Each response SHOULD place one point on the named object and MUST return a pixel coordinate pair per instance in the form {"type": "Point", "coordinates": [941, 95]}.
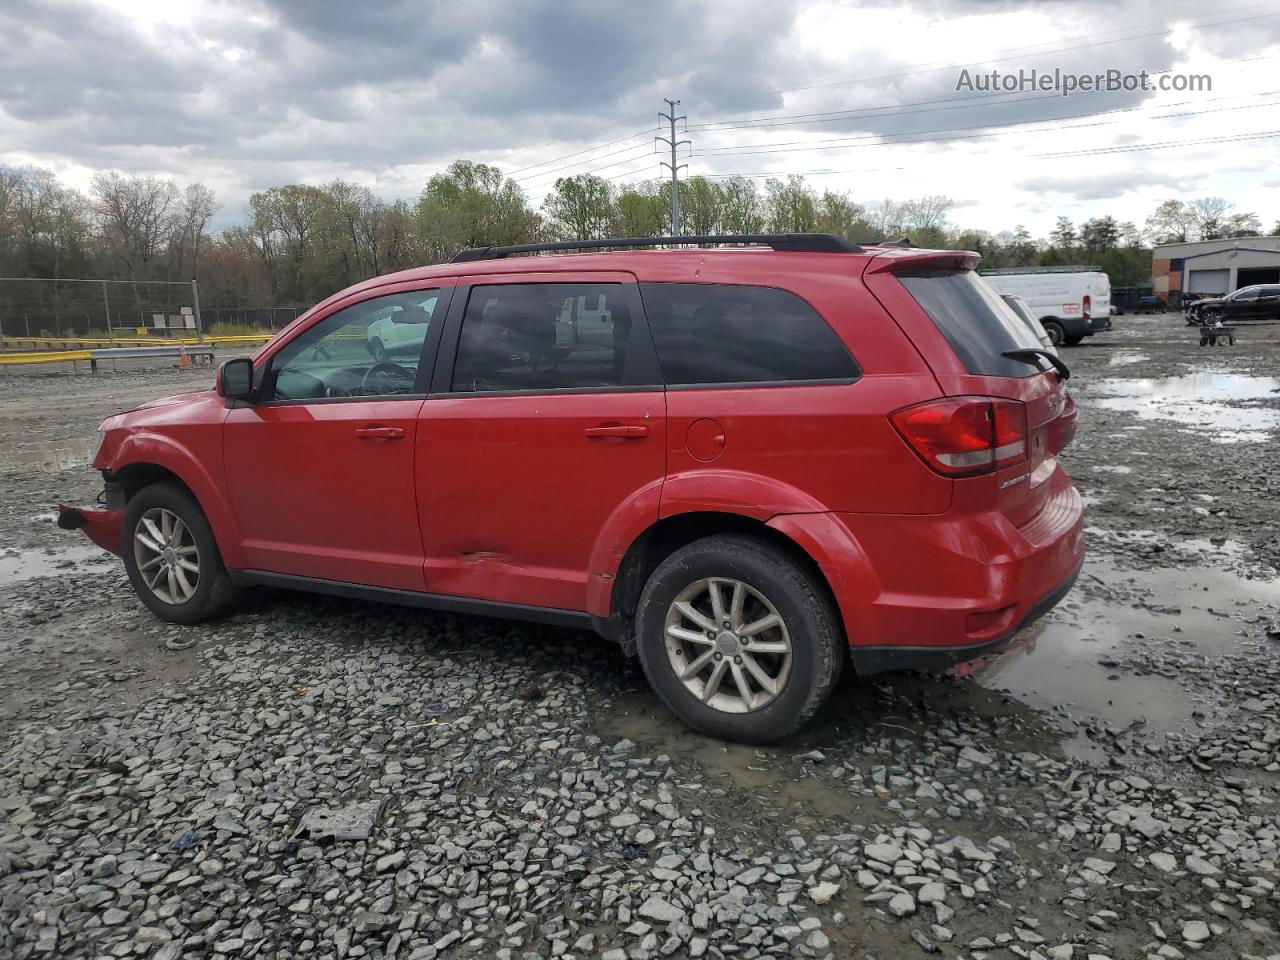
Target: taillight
{"type": "Point", "coordinates": [965, 436]}
{"type": "Point", "coordinates": [1086, 306]}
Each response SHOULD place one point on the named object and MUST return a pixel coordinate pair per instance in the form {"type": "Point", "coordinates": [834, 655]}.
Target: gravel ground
{"type": "Point", "coordinates": [1106, 789]}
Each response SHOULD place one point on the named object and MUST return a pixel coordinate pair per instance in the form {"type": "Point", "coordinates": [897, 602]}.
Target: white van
{"type": "Point", "coordinates": [1070, 302]}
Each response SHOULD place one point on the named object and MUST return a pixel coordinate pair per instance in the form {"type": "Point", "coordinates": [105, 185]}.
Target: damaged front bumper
{"type": "Point", "coordinates": [103, 527]}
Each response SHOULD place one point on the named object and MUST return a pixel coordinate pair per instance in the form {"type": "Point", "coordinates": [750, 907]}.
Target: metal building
{"type": "Point", "coordinates": [1213, 267]}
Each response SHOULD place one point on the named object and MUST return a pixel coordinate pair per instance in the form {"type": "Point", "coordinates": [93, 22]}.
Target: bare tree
{"type": "Point", "coordinates": [198, 207]}
{"type": "Point", "coordinates": [136, 215]}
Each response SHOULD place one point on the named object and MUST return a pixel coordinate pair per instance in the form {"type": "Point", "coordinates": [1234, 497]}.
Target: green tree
{"type": "Point", "coordinates": [743, 210]}
{"type": "Point", "coordinates": [642, 212]}
{"type": "Point", "coordinates": [839, 215]}
{"type": "Point", "coordinates": [701, 209]}
{"type": "Point", "coordinates": [471, 205]}
{"type": "Point", "coordinates": [790, 205]}
{"type": "Point", "coordinates": [1099, 234]}
{"type": "Point", "coordinates": [580, 208]}
{"type": "Point", "coordinates": [1063, 236]}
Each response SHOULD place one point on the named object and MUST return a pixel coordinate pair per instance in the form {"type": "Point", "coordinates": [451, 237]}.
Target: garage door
{"type": "Point", "coordinates": [1208, 281]}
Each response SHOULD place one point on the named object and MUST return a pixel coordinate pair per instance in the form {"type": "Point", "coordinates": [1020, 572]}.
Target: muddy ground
{"type": "Point", "coordinates": [1106, 788]}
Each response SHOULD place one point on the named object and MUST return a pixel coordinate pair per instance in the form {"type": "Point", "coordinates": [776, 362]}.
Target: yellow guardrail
{"type": "Point", "coordinates": [139, 341]}
{"type": "Point", "coordinates": [144, 341]}
{"type": "Point", "coordinates": [43, 356]}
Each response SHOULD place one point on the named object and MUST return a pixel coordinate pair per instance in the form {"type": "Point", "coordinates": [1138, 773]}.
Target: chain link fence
{"type": "Point", "coordinates": [115, 309]}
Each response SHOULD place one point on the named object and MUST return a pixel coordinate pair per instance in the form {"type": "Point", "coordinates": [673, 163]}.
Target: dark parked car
{"type": "Point", "coordinates": [1259, 302]}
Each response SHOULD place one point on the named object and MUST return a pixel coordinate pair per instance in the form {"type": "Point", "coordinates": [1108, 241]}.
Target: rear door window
{"type": "Point", "coordinates": [538, 337]}
{"type": "Point", "coordinates": [979, 325]}
{"type": "Point", "coordinates": [730, 334]}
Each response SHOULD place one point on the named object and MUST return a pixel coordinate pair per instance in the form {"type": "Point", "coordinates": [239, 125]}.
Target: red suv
{"type": "Point", "coordinates": [738, 463]}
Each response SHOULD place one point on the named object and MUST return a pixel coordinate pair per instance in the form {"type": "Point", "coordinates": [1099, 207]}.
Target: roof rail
{"type": "Point", "coordinates": [782, 242]}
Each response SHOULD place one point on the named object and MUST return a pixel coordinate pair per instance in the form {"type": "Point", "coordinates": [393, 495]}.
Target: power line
{"type": "Point", "coordinates": [843, 143]}
{"type": "Point", "coordinates": [647, 147]}
{"type": "Point", "coordinates": [1133, 148]}
{"type": "Point", "coordinates": [951, 103]}
{"type": "Point", "coordinates": [551, 143]}
{"type": "Point", "coordinates": [578, 153]}
{"type": "Point", "coordinates": [1034, 52]}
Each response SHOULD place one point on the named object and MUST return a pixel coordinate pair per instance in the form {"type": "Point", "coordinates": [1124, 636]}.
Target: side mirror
{"type": "Point", "coordinates": [235, 379]}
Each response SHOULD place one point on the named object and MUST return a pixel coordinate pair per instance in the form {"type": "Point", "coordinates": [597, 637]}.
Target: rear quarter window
{"type": "Point", "coordinates": [735, 334]}
{"type": "Point", "coordinates": [979, 325]}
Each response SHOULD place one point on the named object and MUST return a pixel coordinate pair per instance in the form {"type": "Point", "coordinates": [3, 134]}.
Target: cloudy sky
{"type": "Point", "coordinates": [859, 96]}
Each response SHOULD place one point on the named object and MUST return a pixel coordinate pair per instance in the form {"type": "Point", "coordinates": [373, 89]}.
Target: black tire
{"type": "Point", "coordinates": [816, 635]}
{"type": "Point", "coordinates": [1072, 341]}
{"type": "Point", "coordinates": [1054, 331]}
{"type": "Point", "coordinates": [378, 350]}
{"type": "Point", "coordinates": [214, 592]}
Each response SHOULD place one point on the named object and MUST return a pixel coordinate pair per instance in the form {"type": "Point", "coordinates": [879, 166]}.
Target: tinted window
{"type": "Point", "coordinates": [544, 336]}
{"type": "Point", "coordinates": [1270, 292]}
{"type": "Point", "coordinates": [371, 348]}
{"type": "Point", "coordinates": [1248, 293]}
{"type": "Point", "coordinates": [709, 333]}
{"type": "Point", "coordinates": [976, 322]}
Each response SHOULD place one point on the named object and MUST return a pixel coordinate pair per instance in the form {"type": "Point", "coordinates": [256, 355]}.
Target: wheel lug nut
{"type": "Point", "coordinates": [727, 624]}
{"type": "Point", "coordinates": [711, 634]}
{"type": "Point", "coordinates": [719, 656]}
{"type": "Point", "coordinates": [737, 659]}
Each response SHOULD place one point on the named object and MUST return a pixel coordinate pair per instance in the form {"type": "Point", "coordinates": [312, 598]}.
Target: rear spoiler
{"type": "Point", "coordinates": [915, 259]}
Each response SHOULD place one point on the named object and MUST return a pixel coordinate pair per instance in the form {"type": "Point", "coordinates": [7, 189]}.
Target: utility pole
{"type": "Point", "coordinates": [675, 168]}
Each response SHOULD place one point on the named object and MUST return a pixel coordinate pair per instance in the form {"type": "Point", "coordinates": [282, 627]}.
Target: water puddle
{"type": "Point", "coordinates": [1124, 359]}
{"type": "Point", "coordinates": [1066, 663]}
{"type": "Point", "coordinates": [50, 456]}
{"type": "Point", "coordinates": [19, 565]}
{"type": "Point", "coordinates": [1227, 407]}
{"type": "Point", "coordinates": [1059, 679]}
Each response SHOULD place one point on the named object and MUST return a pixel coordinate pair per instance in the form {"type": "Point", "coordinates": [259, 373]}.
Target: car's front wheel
{"type": "Point", "coordinates": [738, 639]}
{"type": "Point", "coordinates": [172, 558]}
{"type": "Point", "coordinates": [1054, 332]}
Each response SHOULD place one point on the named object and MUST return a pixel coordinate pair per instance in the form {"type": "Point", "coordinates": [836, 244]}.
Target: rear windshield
{"type": "Point", "coordinates": [979, 325]}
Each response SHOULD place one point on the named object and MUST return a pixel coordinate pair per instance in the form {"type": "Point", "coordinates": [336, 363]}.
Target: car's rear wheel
{"type": "Point", "coordinates": [171, 557]}
{"type": "Point", "coordinates": [378, 350]}
{"type": "Point", "coordinates": [738, 639]}
{"type": "Point", "coordinates": [1054, 332]}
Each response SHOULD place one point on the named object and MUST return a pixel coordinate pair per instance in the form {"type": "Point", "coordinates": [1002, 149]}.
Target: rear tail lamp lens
{"type": "Point", "coordinates": [1087, 306]}
{"type": "Point", "coordinates": [965, 436]}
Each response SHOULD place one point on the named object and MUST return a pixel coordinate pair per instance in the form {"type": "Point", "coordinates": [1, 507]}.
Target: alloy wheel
{"type": "Point", "coordinates": [167, 556]}
{"type": "Point", "coordinates": [728, 645]}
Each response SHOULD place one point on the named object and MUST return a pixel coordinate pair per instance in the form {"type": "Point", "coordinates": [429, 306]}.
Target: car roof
{"type": "Point", "coordinates": [737, 264]}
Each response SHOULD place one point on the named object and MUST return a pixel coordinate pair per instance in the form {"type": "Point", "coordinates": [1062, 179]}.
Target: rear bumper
{"type": "Point", "coordinates": [103, 527]}
{"type": "Point", "coordinates": [868, 660]}
{"type": "Point", "coordinates": [924, 592]}
{"type": "Point", "coordinates": [1098, 324]}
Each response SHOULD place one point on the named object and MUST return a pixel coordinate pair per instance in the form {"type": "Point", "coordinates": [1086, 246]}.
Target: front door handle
{"type": "Point", "coordinates": [634, 431]}
{"type": "Point", "coordinates": [380, 433]}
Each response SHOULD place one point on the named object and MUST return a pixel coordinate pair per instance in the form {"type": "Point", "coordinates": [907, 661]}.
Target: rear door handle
{"type": "Point", "coordinates": [625, 431]}
{"type": "Point", "coordinates": [380, 433]}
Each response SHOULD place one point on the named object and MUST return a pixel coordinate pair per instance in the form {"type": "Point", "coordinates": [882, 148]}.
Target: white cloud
{"type": "Point", "coordinates": [244, 94]}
